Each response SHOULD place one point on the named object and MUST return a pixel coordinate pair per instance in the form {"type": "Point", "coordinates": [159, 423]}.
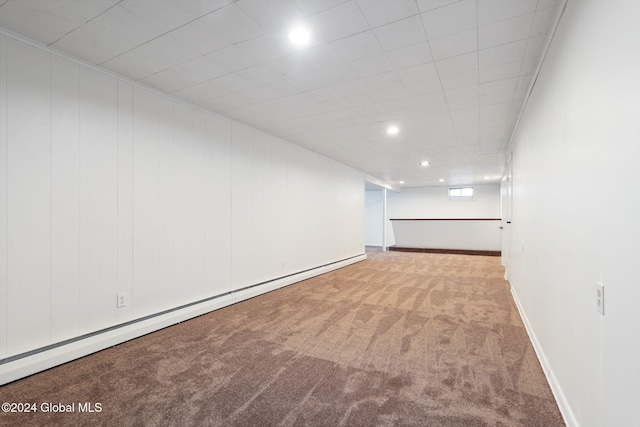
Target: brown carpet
{"type": "Point", "coordinates": [401, 339]}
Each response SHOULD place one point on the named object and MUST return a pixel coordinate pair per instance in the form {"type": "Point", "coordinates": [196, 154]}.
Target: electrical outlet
{"type": "Point", "coordinates": [600, 298]}
{"type": "Point", "coordinates": [122, 299]}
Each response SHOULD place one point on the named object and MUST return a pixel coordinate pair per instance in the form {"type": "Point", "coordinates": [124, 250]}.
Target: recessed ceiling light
{"type": "Point", "coordinates": [392, 130]}
{"type": "Point", "coordinates": [401, 182]}
{"type": "Point", "coordinates": [299, 36]}
{"type": "Point", "coordinates": [441, 180]}
{"type": "Point", "coordinates": [425, 163]}
{"type": "Point", "coordinates": [487, 177]}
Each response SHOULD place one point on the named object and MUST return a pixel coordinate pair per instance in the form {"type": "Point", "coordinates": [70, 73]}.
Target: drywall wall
{"type": "Point", "coordinates": [373, 217]}
{"type": "Point", "coordinates": [107, 187]}
{"type": "Point", "coordinates": [433, 202]}
{"type": "Point", "coordinates": [575, 213]}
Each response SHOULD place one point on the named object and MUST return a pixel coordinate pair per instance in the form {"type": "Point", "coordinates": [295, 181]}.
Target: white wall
{"type": "Point", "coordinates": [373, 217]}
{"type": "Point", "coordinates": [575, 212]}
{"type": "Point", "coordinates": [433, 202]}
{"type": "Point", "coordinates": [107, 187]}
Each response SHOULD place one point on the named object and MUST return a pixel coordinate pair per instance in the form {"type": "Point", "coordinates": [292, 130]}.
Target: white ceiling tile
{"type": "Point", "coordinates": [543, 4]}
{"type": "Point", "coordinates": [426, 5]}
{"type": "Point", "coordinates": [289, 66]}
{"type": "Point", "coordinates": [338, 22]}
{"type": "Point", "coordinates": [453, 81]}
{"type": "Point", "coordinates": [170, 48]}
{"type": "Point", "coordinates": [430, 98]}
{"type": "Point", "coordinates": [337, 73]}
{"type": "Point", "coordinates": [319, 57]}
{"type": "Point", "coordinates": [402, 33]}
{"type": "Point", "coordinates": [33, 18]}
{"type": "Point", "coordinates": [542, 21]}
{"type": "Point", "coordinates": [529, 66]}
{"type": "Point", "coordinates": [457, 64]}
{"type": "Point", "coordinates": [382, 12]}
{"type": "Point", "coordinates": [203, 92]}
{"type": "Point", "coordinates": [259, 75]}
{"type": "Point", "coordinates": [128, 25]}
{"type": "Point", "coordinates": [358, 46]}
{"type": "Point", "coordinates": [500, 72]}
{"type": "Point", "coordinates": [502, 54]}
{"type": "Point", "coordinates": [233, 24]}
{"type": "Point", "coordinates": [198, 8]}
{"type": "Point", "coordinates": [185, 75]}
{"type": "Point", "coordinates": [410, 55]}
{"type": "Point", "coordinates": [418, 73]}
{"type": "Point", "coordinates": [535, 46]}
{"type": "Point", "coordinates": [311, 7]}
{"type": "Point", "coordinates": [451, 19]}
{"type": "Point", "coordinates": [275, 16]}
{"type": "Point", "coordinates": [199, 36]}
{"type": "Point", "coordinates": [371, 65]}
{"type": "Point", "coordinates": [231, 59]}
{"type": "Point", "coordinates": [267, 47]}
{"type": "Point", "coordinates": [391, 93]}
{"type": "Point", "coordinates": [383, 81]}
{"type": "Point", "coordinates": [306, 82]}
{"type": "Point", "coordinates": [455, 44]}
{"type": "Point", "coordinates": [365, 98]}
{"type": "Point", "coordinates": [93, 44]}
{"type": "Point", "coordinates": [423, 86]}
{"type": "Point", "coordinates": [504, 32]}
{"type": "Point", "coordinates": [164, 14]}
{"type": "Point", "coordinates": [499, 10]}
{"type": "Point", "coordinates": [137, 63]}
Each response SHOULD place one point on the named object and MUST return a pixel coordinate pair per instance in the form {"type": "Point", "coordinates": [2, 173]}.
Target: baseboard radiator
{"type": "Point", "coordinates": [22, 365]}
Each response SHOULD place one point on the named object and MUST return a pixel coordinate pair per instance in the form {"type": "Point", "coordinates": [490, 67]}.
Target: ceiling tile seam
{"type": "Point", "coordinates": [265, 31]}
{"type": "Point", "coordinates": [440, 82]}
{"type": "Point", "coordinates": [85, 23]}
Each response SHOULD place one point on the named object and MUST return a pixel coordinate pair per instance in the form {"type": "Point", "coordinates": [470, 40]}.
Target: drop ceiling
{"type": "Point", "coordinates": [451, 75]}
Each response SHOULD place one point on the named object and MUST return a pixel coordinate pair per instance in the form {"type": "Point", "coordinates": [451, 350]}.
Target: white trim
{"type": "Point", "coordinates": [563, 404]}
{"type": "Point", "coordinates": [35, 363]}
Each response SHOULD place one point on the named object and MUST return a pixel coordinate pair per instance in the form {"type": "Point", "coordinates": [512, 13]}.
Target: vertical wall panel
{"type": "Point", "coordinates": [165, 205]}
{"type": "Point", "coordinates": [65, 198]}
{"type": "Point", "coordinates": [146, 133]}
{"type": "Point", "coordinates": [98, 200]}
{"type": "Point", "coordinates": [28, 197]}
{"type": "Point", "coordinates": [125, 198]}
{"type": "Point", "coordinates": [218, 206]}
{"type": "Point", "coordinates": [3, 195]}
{"type": "Point", "coordinates": [198, 228]}
{"type": "Point", "coordinates": [183, 251]}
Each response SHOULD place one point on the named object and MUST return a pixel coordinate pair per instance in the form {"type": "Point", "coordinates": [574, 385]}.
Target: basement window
{"type": "Point", "coordinates": [460, 193]}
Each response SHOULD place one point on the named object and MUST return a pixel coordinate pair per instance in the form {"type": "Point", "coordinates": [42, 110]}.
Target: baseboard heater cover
{"type": "Point", "coordinates": [22, 365]}
{"type": "Point", "coordinates": [446, 251]}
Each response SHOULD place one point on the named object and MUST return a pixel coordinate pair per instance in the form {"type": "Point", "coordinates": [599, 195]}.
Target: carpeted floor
{"type": "Point", "coordinates": [401, 339]}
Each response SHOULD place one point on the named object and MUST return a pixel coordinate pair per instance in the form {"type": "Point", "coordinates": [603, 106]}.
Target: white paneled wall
{"type": "Point", "coordinates": [107, 187]}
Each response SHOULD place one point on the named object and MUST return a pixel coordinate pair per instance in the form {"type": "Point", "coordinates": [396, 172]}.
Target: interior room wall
{"type": "Point", "coordinates": [576, 210]}
{"type": "Point", "coordinates": [108, 187]}
{"type": "Point", "coordinates": [433, 202]}
{"type": "Point", "coordinates": [373, 217]}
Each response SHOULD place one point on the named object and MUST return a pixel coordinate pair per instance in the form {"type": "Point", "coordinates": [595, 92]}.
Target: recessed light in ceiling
{"type": "Point", "coordinates": [299, 36]}
{"type": "Point", "coordinates": [441, 180]}
{"type": "Point", "coordinates": [425, 163]}
{"type": "Point", "coordinates": [401, 182]}
{"type": "Point", "coordinates": [487, 177]}
{"type": "Point", "coordinates": [392, 130]}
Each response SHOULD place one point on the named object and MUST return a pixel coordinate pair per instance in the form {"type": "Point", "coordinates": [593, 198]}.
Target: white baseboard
{"type": "Point", "coordinates": [40, 361]}
{"type": "Point", "coordinates": [563, 404]}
